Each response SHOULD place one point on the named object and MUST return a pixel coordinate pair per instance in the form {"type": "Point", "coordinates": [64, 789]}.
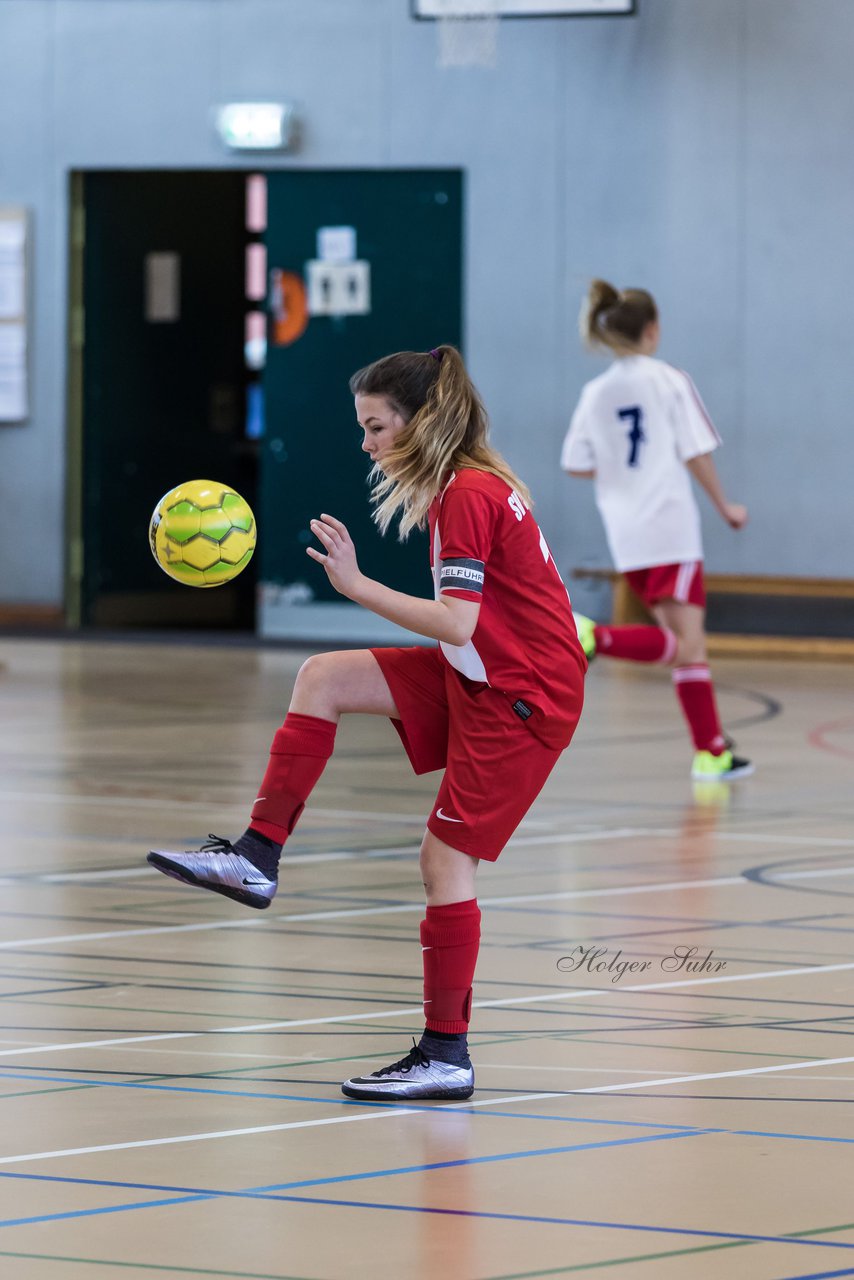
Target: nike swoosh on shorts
{"type": "Point", "coordinates": [445, 817]}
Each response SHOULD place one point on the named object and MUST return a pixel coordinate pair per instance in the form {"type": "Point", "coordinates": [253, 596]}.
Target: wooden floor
{"type": "Point", "coordinates": [171, 1062]}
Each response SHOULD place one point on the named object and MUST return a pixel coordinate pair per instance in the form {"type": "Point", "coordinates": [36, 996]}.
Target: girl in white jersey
{"type": "Point", "coordinates": [493, 702]}
{"type": "Point", "coordinates": [638, 431]}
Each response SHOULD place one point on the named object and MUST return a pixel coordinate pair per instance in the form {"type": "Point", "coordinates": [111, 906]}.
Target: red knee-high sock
{"type": "Point", "coordinates": [637, 644]}
{"type": "Point", "coordinates": [696, 693]}
{"type": "Point", "coordinates": [450, 938]}
{"type": "Point", "coordinates": [297, 759]}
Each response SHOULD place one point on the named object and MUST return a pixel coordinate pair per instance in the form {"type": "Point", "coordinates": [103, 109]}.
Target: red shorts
{"type": "Point", "coordinates": [682, 582]}
{"type": "Point", "coordinates": [494, 766]}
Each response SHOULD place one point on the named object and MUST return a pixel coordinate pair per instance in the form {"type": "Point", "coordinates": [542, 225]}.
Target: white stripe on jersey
{"type": "Point", "coordinates": [465, 658]}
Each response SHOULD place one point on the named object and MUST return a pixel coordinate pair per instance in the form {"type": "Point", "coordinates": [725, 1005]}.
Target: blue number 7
{"type": "Point", "coordinates": [636, 432]}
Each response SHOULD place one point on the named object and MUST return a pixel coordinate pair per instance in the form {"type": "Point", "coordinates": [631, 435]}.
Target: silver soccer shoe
{"type": "Point", "coordinates": [216, 866]}
{"type": "Point", "coordinates": [415, 1076]}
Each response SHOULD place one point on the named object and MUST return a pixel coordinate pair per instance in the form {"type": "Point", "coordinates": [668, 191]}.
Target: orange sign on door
{"type": "Point", "coordinates": [289, 305]}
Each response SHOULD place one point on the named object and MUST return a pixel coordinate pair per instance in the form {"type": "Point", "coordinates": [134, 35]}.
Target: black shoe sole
{"type": "Point", "coordinates": [376, 1095]}
{"type": "Point", "coordinates": [177, 872]}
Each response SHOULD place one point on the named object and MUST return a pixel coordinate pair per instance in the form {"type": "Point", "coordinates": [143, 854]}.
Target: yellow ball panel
{"type": "Point", "coordinates": [203, 493]}
{"type": "Point", "coordinates": [201, 553]}
{"type": "Point", "coordinates": [222, 572]}
{"type": "Point", "coordinates": [185, 573]}
{"type": "Point", "coordinates": [233, 548]}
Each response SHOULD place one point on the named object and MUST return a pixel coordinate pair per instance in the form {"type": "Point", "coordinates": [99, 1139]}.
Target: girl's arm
{"type": "Point", "coordinates": [705, 472]}
{"type": "Point", "coordinates": [448, 619]}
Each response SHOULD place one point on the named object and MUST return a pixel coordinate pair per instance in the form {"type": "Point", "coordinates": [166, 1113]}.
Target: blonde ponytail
{"type": "Point", "coordinates": [446, 429]}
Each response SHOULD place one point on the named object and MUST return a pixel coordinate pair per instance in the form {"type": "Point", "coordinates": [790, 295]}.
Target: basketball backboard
{"type": "Point", "coordinates": [437, 9]}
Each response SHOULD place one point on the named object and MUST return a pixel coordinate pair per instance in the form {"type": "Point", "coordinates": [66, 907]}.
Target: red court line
{"type": "Point", "coordinates": [818, 736]}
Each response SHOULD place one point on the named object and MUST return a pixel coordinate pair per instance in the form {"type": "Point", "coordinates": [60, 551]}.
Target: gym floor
{"type": "Point", "coordinates": [663, 1006]}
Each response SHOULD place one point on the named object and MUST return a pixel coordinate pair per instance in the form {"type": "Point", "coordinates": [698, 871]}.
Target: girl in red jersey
{"type": "Point", "coordinates": [493, 703]}
{"type": "Point", "coordinates": [639, 429]}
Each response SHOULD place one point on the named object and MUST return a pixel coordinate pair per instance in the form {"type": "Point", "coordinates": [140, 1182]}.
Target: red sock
{"type": "Point", "coordinates": [696, 693]}
{"type": "Point", "coordinates": [638, 644]}
{"type": "Point", "coordinates": [450, 938]}
{"type": "Point", "coordinates": [297, 759]}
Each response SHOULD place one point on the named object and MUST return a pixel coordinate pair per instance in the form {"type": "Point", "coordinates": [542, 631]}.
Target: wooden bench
{"type": "Point", "coordinates": [743, 594]}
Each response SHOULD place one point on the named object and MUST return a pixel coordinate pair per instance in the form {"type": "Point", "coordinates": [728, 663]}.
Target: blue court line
{"type": "Point", "coordinates": [200, 1195]}
{"type": "Point", "coordinates": [588, 1222]}
{"type": "Point", "coordinates": [823, 1275]}
{"type": "Point", "coordinates": [311, 1098]}
{"type": "Point", "coordinates": [94, 1213]}
{"type": "Point", "coordinates": [188, 1194]}
{"type": "Point", "coordinates": [745, 1237]}
{"type": "Point", "coordinates": [504, 1115]}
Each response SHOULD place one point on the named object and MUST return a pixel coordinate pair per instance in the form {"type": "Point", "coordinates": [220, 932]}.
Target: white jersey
{"type": "Point", "coordinates": [636, 425]}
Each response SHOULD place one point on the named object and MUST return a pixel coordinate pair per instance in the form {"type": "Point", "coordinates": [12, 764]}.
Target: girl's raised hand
{"type": "Point", "coordinates": [340, 563]}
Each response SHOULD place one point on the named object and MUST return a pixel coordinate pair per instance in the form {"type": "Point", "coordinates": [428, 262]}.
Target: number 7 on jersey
{"type": "Point", "coordinates": [635, 433]}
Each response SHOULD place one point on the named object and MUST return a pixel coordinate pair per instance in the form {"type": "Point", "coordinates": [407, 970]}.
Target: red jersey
{"type": "Point", "coordinates": [487, 547]}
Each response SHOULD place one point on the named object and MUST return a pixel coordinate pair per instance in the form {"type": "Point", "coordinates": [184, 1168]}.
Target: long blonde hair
{"type": "Point", "coordinates": [613, 318]}
{"type": "Point", "coordinates": [446, 429]}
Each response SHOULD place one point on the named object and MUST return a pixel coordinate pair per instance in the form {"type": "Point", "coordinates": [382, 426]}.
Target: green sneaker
{"type": "Point", "coordinates": [585, 626]}
{"type": "Point", "coordinates": [723, 768]}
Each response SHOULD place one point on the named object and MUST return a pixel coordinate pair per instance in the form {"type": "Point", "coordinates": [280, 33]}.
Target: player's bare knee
{"type": "Point", "coordinates": [315, 688]}
{"type": "Point", "coordinates": [312, 674]}
{"type": "Point", "coordinates": [428, 877]}
{"type": "Point", "coordinates": [433, 874]}
{"type": "Point", "coordinates": [689, 650]}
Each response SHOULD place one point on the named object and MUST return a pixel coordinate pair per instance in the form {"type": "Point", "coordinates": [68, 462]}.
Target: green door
{"type": "Point", "coordinates": [406, 226]}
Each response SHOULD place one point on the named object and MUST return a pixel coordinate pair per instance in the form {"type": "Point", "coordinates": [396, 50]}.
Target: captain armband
{"type": "Point", "coordinates": [465, 575]}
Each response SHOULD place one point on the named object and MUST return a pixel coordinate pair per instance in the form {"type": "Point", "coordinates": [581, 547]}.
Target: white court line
{"type": "Point", "coordinates": [397, 908]}
{"type": "Point", "coordinates": [809, 875]}
{"type": "Point", "coordinates": [130, 873]}
{"type": "Point", "coordinates": [143, 871]}
{"type": "Point", "coordinates": [149, 802]}
{"type": "Point", "coordinates": [340, 914]}
{"type": "Point", "coordinates": [395, 1112]}
{"type": "Point", "coordinates": [574, 837]}
{"type": "Point", "coordinates": [344, 855]}
{"type": "Point", "coordinates": [547, 998]}
{"type": "Point", "coordinates": [831, 842]}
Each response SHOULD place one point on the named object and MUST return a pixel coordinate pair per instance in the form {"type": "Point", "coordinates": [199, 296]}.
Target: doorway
{"type": "Point", "coordinates": [166, 386]}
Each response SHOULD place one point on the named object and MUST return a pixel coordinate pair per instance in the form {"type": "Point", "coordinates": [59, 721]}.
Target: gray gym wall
{"type": "Point", "coordinates": [701, 149]}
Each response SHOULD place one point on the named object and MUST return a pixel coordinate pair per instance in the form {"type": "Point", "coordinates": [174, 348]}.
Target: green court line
{"type": "Point", "coordinates": [476, 1043]}
{"type": "Point", "coordinates": [135, 1008]}
{"type": "Point", "coordinates": [364, 997]}
{"type": "Point", "coordinates": [566, 1036]}
{"type": "Point", "coordinates": [231, 1071]}
{"type": "Point", "coordinates": [154, 1266]}
{"type": "Point", "coordinates": [674, 1253]}
{"type": "Point", "coordinates": [38, 1093]}
{"type": "Point", "coordinates": [616, 1262]}
{"type": "Point", "coordinates": [234, 984]}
